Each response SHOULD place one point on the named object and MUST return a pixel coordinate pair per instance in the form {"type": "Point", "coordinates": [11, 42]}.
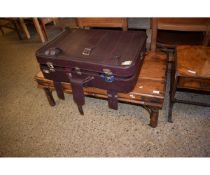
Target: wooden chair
{"type": "Point", "coordinates": [103, 22]}
{"type": "Point", "coordinates": [179, 24]}
{"type": "Point", "coordinates": [191, 66]}
{"type": "Point", "coordinates": [45, 21]}
{"type": "Point", "coordinates": [11, 23]}
{"type": "Point", "coordinates": [191, 71]}
{"type": "Point", "coordinates": [39, 24]}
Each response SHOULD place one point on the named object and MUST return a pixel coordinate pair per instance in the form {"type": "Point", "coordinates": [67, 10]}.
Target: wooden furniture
{"type": "Point", "coordinates": [148, 92]}
{"type": "Point", "coordinates": [191, 71]}
{"type": "Point", "coordinates": [45, 21]}
{"type": "Point", "coordinates": [10, 23]}
{"type": "Point", "coordinates": [39, 29]}
{"type": "Point", "coordinates": [103, 22]}
{"type": "Point", "coordinates": [39, 25]}
{"type": "Point", "coordinates": [180, 24]}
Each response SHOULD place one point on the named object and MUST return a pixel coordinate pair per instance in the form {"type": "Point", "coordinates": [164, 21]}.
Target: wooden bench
{"type": "Point", "coordinates": [148, 92]}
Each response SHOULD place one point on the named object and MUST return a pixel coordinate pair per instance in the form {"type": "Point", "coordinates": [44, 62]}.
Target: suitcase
{"type": "Point", "coordinates": [105, 59]}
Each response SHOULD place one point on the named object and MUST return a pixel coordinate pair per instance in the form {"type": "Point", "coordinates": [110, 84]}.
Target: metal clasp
{"type": "Point", "coordinates": [107, 76]}
{"type": "Point", "coordinates": [50, 65]}
{"type": "Point", "coordinates": [86, 51]}
{"type": "Point", "coordinates": [107, 71]}
{"type": "Point", "coordinates": [78, 71]}
{"type": "Point", "coordinates": [46, 71]}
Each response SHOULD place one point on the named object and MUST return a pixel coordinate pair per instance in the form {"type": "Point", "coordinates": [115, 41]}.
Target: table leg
{"type": "Point", "coordinates": [49, 95]}
{"type": "Point", "coordinates": [38, 29]}
{"type": "Point", "coordinates": [154, 117]}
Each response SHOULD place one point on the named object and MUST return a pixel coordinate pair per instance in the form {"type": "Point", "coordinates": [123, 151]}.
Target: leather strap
{"type": "Point", "coordinates": [77, 90]}
{"type": "Point", "coordinates": [59, 89]}
{"type": "Point", "coordinates": [112, 99]}
{"type": "Point", "coordinates": [78, 94]}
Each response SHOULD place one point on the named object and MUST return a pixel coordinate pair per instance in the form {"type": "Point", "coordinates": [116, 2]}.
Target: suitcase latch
{"type": "Point", "coordinates": [78, 71]}
{"type": "Point", "coordinates": [107, 71]}
{"type": "Point", "coordinates": [107, 76]}
{"type": "Point", "coordinates": [86, 51]}
{"type": "Point", "coordinates": [50, 65]}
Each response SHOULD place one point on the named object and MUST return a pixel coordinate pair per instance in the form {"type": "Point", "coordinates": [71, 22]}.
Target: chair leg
{"type": "Point", "coordinates": [172, 92]}
{"type": "Point", "coordinates": [44, 30]}
{"type": "Point", "coordinates": [15, 24]}
{"type": "Point", "coordinates": [171, 103]}
{"type": "Point", "coordinates": [38, 29]}
{"type": "Point", "coordinates": [24, 27]}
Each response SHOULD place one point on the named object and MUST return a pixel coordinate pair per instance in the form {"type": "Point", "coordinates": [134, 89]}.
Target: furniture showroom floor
{"type": "Point", "coordinates": [30, 127]}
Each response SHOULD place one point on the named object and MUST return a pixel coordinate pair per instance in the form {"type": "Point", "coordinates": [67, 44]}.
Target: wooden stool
{"type": "Point", "coordinates": [191, 71]}
{"type": "Point", "coordinates": [148, 92]}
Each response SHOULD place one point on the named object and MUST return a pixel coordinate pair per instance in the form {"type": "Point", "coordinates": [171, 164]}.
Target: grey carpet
{"type": "Point", "coordinates": [30, 127]}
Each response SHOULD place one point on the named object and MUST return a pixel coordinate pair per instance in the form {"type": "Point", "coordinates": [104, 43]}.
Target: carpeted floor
{"type": "Point", "coordinates": [30, 127]}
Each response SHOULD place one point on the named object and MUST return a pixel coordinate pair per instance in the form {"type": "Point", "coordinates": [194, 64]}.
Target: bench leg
{"type": "Point", "coordinates": [154, 117]}
{"type": "Point", "coordinates": [171, 101]}
{"type": "Point", "coordinates": [49, 95]}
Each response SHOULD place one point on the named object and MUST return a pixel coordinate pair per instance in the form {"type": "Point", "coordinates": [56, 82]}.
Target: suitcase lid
{"type": "Point", "coordinates": [95, 50]}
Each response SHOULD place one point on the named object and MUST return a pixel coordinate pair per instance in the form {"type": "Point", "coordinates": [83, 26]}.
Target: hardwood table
{"type": "Point", "coordinates": [149, 91]}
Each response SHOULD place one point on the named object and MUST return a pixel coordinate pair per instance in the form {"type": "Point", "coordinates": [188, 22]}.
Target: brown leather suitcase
{"type": "Point", "coordinates": [106, 59]}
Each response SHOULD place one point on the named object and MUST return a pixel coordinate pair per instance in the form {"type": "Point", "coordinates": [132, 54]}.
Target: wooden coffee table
{"type": "Point", "coordinates": [149, 91]}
